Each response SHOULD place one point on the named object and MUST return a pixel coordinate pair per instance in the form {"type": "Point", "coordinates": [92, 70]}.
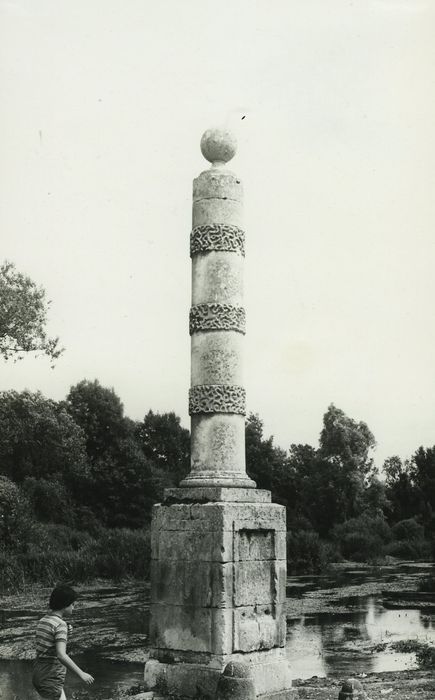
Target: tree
{"type": "Point", "coordinates": [23, 317]}
{"type": "Point", "coordinates": [122, 482]}
{"type": "Point", "coordinates": [423, 473]}
{"type": "Point", "coordinates": [401, 490]}
{"type": "Point", "coordinates": [262, 457]}
{"type": "Point", "coordinates": [100, 413]}
{"type": "Point", "coordinates": [38, 438]}
{"type": "Point", "coordinates": [348, 440]}
{"type": "Point", "coordinates": [15, 520]}
{"type": "Point", "coordinates": [166, 443]}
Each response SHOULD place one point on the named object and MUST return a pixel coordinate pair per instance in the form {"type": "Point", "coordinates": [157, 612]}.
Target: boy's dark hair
{"type": "Point", "coordinates": [61, 597]}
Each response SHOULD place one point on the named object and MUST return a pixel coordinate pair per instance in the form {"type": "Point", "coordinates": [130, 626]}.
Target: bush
{"type": "Point", "coordinates": [58, 553]}
{"type": "Point", "coordinates": [15, 517]}
{"type": "Point", "coordinates": [409, 549]}
{"type": "Point", "coordinates": [361, 546]}
{"type": "Point", "coordinates": [121, 552]}
{"type": "Point", "coordinates": [47, 537]}
{"type": "Point", "coordinates": [11, 574]}
{"type": "Point", "coordinates": [362, 538]}
{"type": "Point", "coordinates": [306, 553]}
{"type": "Point", "coordinates": [49, 500]}
{"type": "Point", "coordinates": [408, 530]}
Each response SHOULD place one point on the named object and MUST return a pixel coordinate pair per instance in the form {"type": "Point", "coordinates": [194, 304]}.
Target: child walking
{"type": "Point", "coordinates": [52, 660]}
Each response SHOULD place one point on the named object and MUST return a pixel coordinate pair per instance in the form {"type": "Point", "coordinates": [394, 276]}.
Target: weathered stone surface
{"type": "Point", "coordinates": [217, 184]}
{"type": "Point", "coordinates": [236, 682]}
{"type": "Point", "coordinates": [217, 447]}
{"type": "Point", "coordinates": [202, 584]}
{"type": "Point", "coordinates": [217, 358]}
{"type": "Point", "coordinates": [218, 145]}
{"type": "Point", "coordinates": [188, 680]}
{"type": "Point", "coordinates": [220, 516]}
{"type": "Point", "coordinates": [255, 544]}
{"type": "Point", "coordinates": [352, 689]}
{"type": "Point", "coordinates": [254, 582]}
{"type": "Point", "coordinates": [217, 277]}
{"type": "Point", "coordinates": [257, 627]}
{"type": "Point", "coordinates": [193, 544]}
{"type": "Point", "coordinates": [200, 494]}
{"type": "Point", "coordinates": [191, 629]}
{"type": "Point", "coordinates": [217, 211]}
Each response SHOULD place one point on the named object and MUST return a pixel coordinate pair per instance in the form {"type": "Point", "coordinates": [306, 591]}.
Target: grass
{"type": "Point", "coordinates": [62, 556]}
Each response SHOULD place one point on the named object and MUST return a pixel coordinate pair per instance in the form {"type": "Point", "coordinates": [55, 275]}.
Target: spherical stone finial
{"type": "Point", "coordinates": [218, 146]}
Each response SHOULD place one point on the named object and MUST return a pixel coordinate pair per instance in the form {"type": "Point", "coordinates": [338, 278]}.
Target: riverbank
{"type": "Point", "coordinates": [402, 685]}
{"type": "Point", "coordinates": [399, 685]}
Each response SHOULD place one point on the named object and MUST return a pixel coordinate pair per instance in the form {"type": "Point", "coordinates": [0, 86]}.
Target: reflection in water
{"type": "Point", "coordinates": [15, 679]}
{"type": "Point", "coordinates": [357, 642]}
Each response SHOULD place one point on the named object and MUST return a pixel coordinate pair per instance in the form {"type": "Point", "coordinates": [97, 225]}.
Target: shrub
{"type": "Point", "coordinates": [409, 549]}
{"type": "Point", "coordinates": [408, 530]}
{"type": "Point", "coordinates": [49, 500]}
{"type": "Point", "coordinates": [306, 553]}
{"type": "Point", "coordinates": [120, 552]}
{"type": "Point", "coordinates": [47, 537]}
{"type": "Point", "coordinates": [15, 516]}
{"type": "Point", "coordinates": [362, 538]}
{"type": "Point", "coordinates": [11, 574]}
{"type": "Point", "coordinates": [361, 546]}
{"type": "Point", "coordinates": [58, 553]}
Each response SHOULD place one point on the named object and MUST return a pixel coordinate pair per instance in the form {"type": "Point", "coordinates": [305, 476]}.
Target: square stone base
{"type": "Point", "coordinates": [218, 586]}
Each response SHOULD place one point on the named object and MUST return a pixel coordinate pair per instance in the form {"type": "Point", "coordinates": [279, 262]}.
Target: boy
{"type": "Point", "coordinates": [51, 658]}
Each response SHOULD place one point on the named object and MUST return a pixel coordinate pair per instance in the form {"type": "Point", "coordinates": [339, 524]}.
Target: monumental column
{"type": "Point", "coordinates": [218, 569]}
{"type": "Point", "coordinates": [217, 322]}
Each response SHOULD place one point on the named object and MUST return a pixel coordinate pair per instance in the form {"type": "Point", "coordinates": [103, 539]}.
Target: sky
{"type": "Point", "coordinates": [333, 104]}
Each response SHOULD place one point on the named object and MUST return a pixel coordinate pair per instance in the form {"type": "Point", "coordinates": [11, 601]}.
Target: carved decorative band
{"type": "Point", "coordinates": [217, 317]}
{"type": "Point", "coordinates": [217, 237]}
{"type": "Point", "coordinates": [217, 398]}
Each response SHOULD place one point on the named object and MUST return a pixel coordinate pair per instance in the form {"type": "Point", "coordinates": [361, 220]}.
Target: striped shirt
{"type": "Point", "coordinates": [49, 630]}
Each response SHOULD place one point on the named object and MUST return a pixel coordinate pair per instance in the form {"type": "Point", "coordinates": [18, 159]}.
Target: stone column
{"type": "Point", "coordinates": [217, 322]}
{"type": "Point", "coordinates": [218, 569]}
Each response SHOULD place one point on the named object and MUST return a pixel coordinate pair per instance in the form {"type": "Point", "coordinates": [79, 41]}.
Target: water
{"type": "Point", "coordinates": [336, 625]}
{"type": "Point", "coordinates": [15, 679]}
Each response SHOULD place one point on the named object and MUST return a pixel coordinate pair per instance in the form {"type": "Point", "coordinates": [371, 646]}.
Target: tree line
{"type": "Point", "coordinates": [83, 464]}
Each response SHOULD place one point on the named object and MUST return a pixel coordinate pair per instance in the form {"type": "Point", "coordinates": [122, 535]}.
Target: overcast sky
{"type": "Point", "coordinates": [103, 106]}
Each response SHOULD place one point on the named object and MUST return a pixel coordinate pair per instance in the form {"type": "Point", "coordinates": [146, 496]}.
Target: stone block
{"type": "Point", "coordinates": [202, 584]}
{"type": "Point", "coordinates": [186, 545]}
{"type": "Point", "coordinates": [182, 680]}
{"type": "Point", "coordinates": [251, 545]}
{"type": "Point", "coordinates": [256, 627]}
{"type": "Point", "coordinates": [204, 494]}
{"type": "Point", "coordinates": [281, 545]}
{"type": "Point", "coordinates": [191, 629]}
{"type": "Point", "coordinates": [254, 583]}
{"type": "Point", "coordinates": [280, 580]}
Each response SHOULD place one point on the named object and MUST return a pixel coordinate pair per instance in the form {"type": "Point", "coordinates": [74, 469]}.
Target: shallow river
{"type": "Point", "coordinates": [334, 624]}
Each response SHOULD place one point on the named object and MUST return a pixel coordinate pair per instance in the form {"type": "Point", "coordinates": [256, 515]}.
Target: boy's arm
{"type": "Point", "coordinates": [69, 663]}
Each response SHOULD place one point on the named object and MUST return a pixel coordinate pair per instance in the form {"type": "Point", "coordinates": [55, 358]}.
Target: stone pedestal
{"type": "Point", "coordinates": [218, 595]}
